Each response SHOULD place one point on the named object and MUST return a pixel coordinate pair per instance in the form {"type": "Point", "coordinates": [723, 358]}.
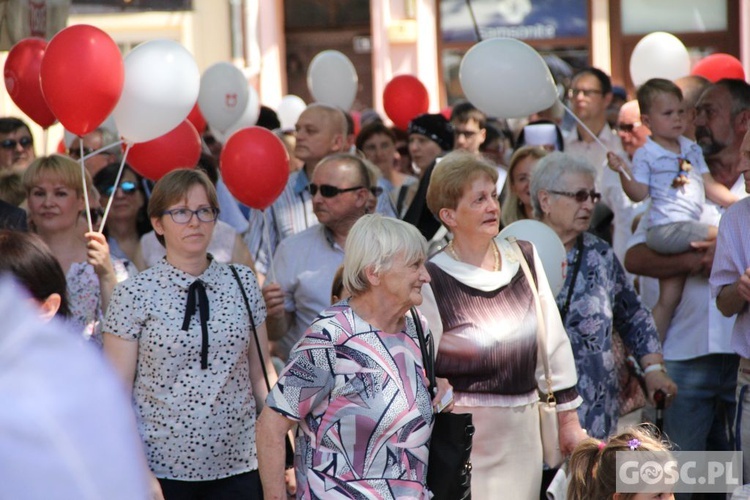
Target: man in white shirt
{"type": "Point", "coordinates": [305, 263]}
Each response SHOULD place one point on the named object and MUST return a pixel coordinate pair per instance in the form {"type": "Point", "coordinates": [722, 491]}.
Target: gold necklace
{"type": "Point", "coordinates": [495, 252]}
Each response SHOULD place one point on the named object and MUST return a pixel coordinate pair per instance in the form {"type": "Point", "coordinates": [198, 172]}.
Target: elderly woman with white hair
{"type": "Point", "coordinates": [356, 382]}
{"type": "Point", "coordinates": [596, 296]}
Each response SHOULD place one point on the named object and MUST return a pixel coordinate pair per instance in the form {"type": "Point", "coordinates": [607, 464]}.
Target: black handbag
{"type": "Point", "coordinates": [289, 448]}
{"type": "Point", "coordinates": [449, 465]}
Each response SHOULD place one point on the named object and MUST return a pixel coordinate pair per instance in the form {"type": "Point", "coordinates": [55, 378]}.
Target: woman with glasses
{"type": "Point", "coordinates": [182, 338]}
{"type": "Point", "coordinates": [56, 205]}
{"type": "Point", "coordinates": [596, 296]}
{"type": "Point", "coordinates": [127, 220]}
{"type": "Point", "coordinates": [480, 308]}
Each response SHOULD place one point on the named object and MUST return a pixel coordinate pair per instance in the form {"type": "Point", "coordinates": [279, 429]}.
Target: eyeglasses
{"type": "Point", "coordinates": [628, 127]}
{"type": "Point", "coordinates": [573, 93]}
{"type": "Point", "coordinates": [75, 153]}
{"type": "Point", "coordinates": [327, 191]}
{"type": "Point", "coordinates": [581, 196]}
{"type": "Point", "coordinates": [466, 133]}
{"type": "Point", "coordinates": [127, 188]}
{"type": "Point", "coordinates": [25, 142]}
{"type": "Point", "coordinates": [184, 215]}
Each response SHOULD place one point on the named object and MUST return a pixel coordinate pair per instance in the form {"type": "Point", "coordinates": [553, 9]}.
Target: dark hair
{"type": "Point", "coordinates": [370, 130]}
{"type": "Point", "coordinates": [208, 164]}
{"type": "Point", "coordinates": [268, 118]}
{"type": "Point", "coordinates": [106, 177]}
{"type": "Point", "coordinates": [604, 80]}
{"type": "Point", "coordinates": [739, 90]}
{"type": "Point", "coordinates": [10, 124]}
{"type": "Point", "coordinates": [32, 263]}
{"type": "Point", "coordinates": [648, 91]}
{"type": "Point", "coordinates": [465, 111]}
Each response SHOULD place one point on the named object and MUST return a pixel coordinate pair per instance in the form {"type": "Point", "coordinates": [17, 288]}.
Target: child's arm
{"type": "Point", "coordinates": [636, 191]}
{"type": "Point", "coordinates": [716, 192]}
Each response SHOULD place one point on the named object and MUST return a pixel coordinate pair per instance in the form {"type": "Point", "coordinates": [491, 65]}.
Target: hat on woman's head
{"type": "Point", "coordinates": [435, 127]}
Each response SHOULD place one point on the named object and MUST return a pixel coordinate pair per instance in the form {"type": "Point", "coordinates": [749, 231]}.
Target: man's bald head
{"type": "Point", "coordinates": [632, 132]}
{"type": "Point", "coordinates": [692, 87]}
{"type": "Point", "coordinates": [321, 131]}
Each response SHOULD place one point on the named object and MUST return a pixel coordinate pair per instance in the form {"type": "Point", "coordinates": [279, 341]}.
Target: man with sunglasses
{"type": "Point", "coordinates": [306, 263]}
{"type": "Point", "coordinates": [93, 142]}
{"type": "Point", "coordinates": [16, 144]}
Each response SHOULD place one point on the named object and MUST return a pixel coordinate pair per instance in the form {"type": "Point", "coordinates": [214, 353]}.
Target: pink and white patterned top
{"type": "Point", "coordinates": [361, 399]}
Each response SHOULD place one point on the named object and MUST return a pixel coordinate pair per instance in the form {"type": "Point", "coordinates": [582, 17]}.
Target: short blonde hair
{"type": "Point", "coordinates": [373, 242]}
{"type": "Point", "coordinates": [452, 175]}
{"type": "Point", "coordinates": [65, 169]}
{"type": "Point", "coordinates": [174, 187]}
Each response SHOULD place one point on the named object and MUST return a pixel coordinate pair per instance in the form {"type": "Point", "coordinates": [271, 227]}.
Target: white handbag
{"type": "Point", "coordinates": [547, 405]}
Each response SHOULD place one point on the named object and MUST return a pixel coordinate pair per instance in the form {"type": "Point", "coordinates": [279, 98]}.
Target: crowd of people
{"type": "Point", "coordinates": [224, 329]}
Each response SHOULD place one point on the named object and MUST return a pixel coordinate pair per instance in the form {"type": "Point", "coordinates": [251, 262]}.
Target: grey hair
{"type": "Point", "coordinates": [374, 241]}
{"type": "Point", "coordinates": [549, 172]}
{"type": "Point", "coordinates": [108, 137]}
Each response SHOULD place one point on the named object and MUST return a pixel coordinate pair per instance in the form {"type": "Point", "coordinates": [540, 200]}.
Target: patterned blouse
{"type": "Point", "coordinates": [365, 417]}
{"type": "Point", "coordinates": [602, 299]}
{"type": "Point", "coordinates": [197, 424]}
{"type": "Point", "coordinates": [84, 296]}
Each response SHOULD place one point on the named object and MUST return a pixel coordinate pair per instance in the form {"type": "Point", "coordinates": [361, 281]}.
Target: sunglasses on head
{"type": "Point", "coordinates": [25, 142]}
{"type": "Point", "coordinates": [581, 195]}
{"type": "Point", "coordinates": [327, 191]}
{"type": "Point", "coordinates": [127, 187]}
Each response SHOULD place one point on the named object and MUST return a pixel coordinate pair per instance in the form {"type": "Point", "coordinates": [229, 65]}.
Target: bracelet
{"type": "Point", "coordinates": [656, 367]}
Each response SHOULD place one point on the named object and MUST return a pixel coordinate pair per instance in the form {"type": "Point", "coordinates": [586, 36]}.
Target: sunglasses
{"type": "Point", "coordinates": [75, 153]}
{"type": "Point", "coordinates": [25, 142]}
{"type": "Point", "coordinates": [581, 196]}
{"type": "Point", "coordinates": [327, 191]}
{"type": "Point", "coordinates": [127, 187]}
{"type": "Point", "coordinates": [573, 93]}
{"type": "Point", "coordinates": [628, 127]}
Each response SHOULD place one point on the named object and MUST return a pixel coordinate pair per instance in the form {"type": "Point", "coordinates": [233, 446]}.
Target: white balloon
{"type": "Point", "coordinates": [249, 116]}
{"type": "Point", "coordinates": [332, 79]}
{"type": "Point", "coordinates": [506, 78]}
{"type": "Point", "coordinates": [659, 55]}
{"type": "Point", "coordinates": [223, 95]}
{"type": "Point", "coordinates": [161, 86]}
{"type": "Point", "coordinates": [548, 245]}
{"type": "Point", "coordinates": [289, 109]}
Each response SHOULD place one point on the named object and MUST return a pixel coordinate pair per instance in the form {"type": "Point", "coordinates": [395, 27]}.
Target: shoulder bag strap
{"type": "Point", "coordinates": [541, 326]}
{"type": "Point", "coordinates": [428, 351]}
{"type": "Point", "coordinates": [252, 325]}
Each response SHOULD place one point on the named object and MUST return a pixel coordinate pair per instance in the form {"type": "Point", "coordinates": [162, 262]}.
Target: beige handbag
{"type": "Point", "coordinates": [548, 423]}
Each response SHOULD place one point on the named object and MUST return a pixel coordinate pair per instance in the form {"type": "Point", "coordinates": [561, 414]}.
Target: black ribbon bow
{"type": "Point", "coordinates": [197, 298]}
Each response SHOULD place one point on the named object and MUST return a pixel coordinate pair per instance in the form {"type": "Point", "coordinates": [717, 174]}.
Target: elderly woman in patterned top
{"type": "Point", "coordinates": [596, 296]}
{"type": "Point", "coordinates": [355, 383]}
{"type": "Point", "coordinates": [181, 337]}
{"type": "Point", "coordinates": [481, 305]}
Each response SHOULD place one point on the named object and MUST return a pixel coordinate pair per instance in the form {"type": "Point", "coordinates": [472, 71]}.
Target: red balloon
{"type": "Point", "coordinates": [196, 118]}
{"type": "Point", "coordinates": [82, 76]}
{"type": "Point", "coordinates": [255, 166]}
{"type": "Point", "coordinates": [22, 80]}
{"type": "Point", "coordinates": [404, 98]}
{"type": "Point", "coordinates": [178, 148]}
{"type": "Point", "coordinates": [718, 66]}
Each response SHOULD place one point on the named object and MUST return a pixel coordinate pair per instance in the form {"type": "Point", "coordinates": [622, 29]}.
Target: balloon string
{"type": "Point", "coordinates": [117, 184]}
{"type": "Point", "coordinates": [102, 149]}
{"type": "Point", "coordinates": [474, 21]}
{"type": "Point", "coordinates": [45, 138]}
{"type": "Point", "coordinates": [267, 236]}
{"type": "Point", "coordinates": [583, 125]}
{"type": "Point", "coordinates": [85, 187]}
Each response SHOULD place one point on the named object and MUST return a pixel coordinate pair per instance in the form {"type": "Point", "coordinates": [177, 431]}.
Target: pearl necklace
{"type": "Point", "coordinates": [452, 251]}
